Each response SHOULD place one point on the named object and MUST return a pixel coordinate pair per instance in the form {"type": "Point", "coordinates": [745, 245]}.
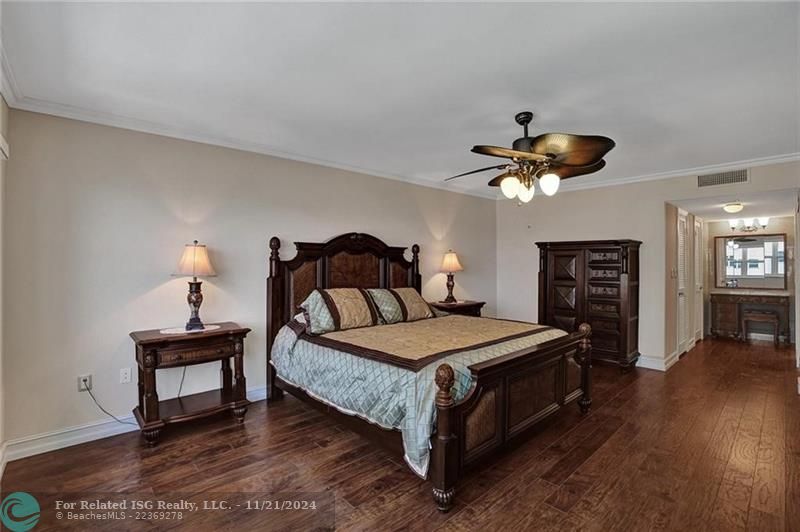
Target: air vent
{"type": "Point", "coordinates": [723, 178]}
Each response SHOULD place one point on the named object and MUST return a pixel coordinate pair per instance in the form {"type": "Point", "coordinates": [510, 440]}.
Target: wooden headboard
{"type": "Point", "coordinates": [351, 260]}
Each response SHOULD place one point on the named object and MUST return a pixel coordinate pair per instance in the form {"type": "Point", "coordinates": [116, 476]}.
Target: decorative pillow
{"type": "Point", "coordinates": [318, 318]}
{"type": "Point", "coordinates": [413, 306]}
{"type": "Point", "coordinates": [338, 309]}
{"type": "Point", "coordinates": [387, 305]}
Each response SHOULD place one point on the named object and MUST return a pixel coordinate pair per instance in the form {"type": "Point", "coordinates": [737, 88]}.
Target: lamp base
{"type": "Point", "coordinates": [450, 285]}
{"type": "Point", "coordinates": [194, 324]}
{"type": "Point", "coordinates": [195, 299]}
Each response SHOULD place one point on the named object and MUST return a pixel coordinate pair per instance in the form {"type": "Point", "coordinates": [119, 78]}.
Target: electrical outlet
{"type": "Point", "coordinates": [125, 375]}
{"type": "Point", "coordinates": [84, 383]}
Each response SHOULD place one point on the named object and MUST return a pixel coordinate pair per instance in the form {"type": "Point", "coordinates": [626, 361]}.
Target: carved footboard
{"type": "Point", "coordinates": [510, 394]}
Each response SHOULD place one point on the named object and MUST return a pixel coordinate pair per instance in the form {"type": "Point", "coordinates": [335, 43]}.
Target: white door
{"type": "Point", "coordinates": [699, 278]}
{"type": "Point", "coordinates": [683, 297]}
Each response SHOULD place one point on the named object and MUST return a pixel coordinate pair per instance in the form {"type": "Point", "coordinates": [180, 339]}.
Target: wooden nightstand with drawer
{"type": "Point", "coordinates": [464, 308]}
{"type": "Point", "coordinates": [157, 350]}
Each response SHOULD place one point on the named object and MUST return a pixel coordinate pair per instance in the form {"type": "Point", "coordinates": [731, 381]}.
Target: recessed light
{"type": "Point", "coordinates": [733, 207]}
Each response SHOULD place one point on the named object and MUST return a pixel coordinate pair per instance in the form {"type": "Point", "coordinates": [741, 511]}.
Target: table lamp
{"type": "Point", "coordinates": [450, 265]}
{"type": "Point", "coordinates": [195, 263]}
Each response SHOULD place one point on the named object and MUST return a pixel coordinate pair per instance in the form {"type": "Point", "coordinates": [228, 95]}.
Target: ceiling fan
{"type": "Point", "coordinates": [546, 158]}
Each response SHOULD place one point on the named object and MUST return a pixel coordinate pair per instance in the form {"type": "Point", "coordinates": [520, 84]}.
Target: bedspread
{"type": "Point", "coordinates": [388, 395]}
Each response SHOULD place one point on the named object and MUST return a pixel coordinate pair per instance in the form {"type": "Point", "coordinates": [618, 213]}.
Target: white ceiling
{"type": "Point", "coordinates": [774, 203]}
{"type": "Point", "coordinates": [404, 90]}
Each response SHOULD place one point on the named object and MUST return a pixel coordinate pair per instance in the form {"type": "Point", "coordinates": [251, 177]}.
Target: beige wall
{"type": "Point", "coordinates": [97, 217]}
{"type": "Point", "coordinates": [777, 224]}
{"type": "Point", "coordinates": [4, 132]}
{"type": "Point", "coordinates": [625, 211]}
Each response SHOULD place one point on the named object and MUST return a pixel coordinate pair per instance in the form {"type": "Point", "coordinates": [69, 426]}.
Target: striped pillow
{"type": "Point", "coordinates": [338, 309]}
{"type": "Point", "coordinates": [400, 304]}
{"type": "Point", "coordinates": [388, 305]}
{"type": "Point", "coordinates": [414, 307]}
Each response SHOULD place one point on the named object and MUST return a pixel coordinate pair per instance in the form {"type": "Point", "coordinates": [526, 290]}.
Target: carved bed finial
{"type": "Point", "coordinates": [586, 330]}
{"type": "Point", "coordinates": [416, 278]}
{"type": "Point", "coordinates": [274, 256]}
{"type": "Point", "coordinates": [445, 378]}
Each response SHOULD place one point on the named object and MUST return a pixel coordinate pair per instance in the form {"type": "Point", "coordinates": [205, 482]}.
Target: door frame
{"type": "Point", "coordinates": [684, 341]}
{"type": "Point", "coordinates": [699, 273]}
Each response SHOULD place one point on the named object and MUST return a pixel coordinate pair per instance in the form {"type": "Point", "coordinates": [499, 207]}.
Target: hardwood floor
{"type": "Point", "coordinates": [714, 444]}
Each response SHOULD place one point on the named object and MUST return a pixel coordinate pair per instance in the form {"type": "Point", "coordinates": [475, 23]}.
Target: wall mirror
{"type": "Point", "coordinates": [750, 261]}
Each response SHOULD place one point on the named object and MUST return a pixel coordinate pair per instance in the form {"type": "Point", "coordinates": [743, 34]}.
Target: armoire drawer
{"type": "Point", "coordinates": [604, 291]}
{"type": "Point", "coordinates": [604, 326]}
{"type": "Point", "coordinates": [604, 256]}
{"type": "Point", "coordinates": [609, 309]}
{"type": "Point", "coordinates": [603, 273]}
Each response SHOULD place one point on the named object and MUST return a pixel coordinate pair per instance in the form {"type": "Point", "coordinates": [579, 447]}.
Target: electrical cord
{"type": "Point", "coordinates": [115, 418]}
{"type": "Point", "coordinates": [182, 377]}
{"type": "Point", "coordinates": [106, 412]}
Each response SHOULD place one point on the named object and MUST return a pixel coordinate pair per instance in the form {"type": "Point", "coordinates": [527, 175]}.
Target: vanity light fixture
{"type": "Point", "coordinates": [748, 225]}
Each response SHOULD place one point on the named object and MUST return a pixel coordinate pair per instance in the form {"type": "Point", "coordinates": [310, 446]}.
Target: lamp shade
{"type": "Point", "coordinates": [195, 262]}
{"type": "Point", "coordinates": [450, 263]}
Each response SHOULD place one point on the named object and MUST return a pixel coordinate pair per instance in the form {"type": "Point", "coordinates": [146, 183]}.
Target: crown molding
{"type": "Point", "coordinates": [697, 170]}
{"type": "Point", "coordinates": [15, 99]}
{"type": "Point", "coordinates": [8, 83]}
{"type": "Point", "coordinates": [26, 103]}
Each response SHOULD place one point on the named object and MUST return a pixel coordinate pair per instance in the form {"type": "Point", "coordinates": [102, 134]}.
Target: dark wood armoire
{"type": "Point", "coordinates": [597, 282]}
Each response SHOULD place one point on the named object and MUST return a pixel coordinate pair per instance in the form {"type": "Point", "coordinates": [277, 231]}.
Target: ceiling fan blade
{"type": "Point", "coordinates": [564, 171]}
{"type": "Point", "coordinates": [497, 151]}
{"type": "Point", "coordinates": [572, 150]}
{"type": "Point", "coordinates": [495, 167]}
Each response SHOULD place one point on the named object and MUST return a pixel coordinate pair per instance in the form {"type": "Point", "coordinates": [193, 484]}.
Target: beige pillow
{"type": "Point", "coordinates": [350, 308]}
{"type": "Point", "coordinates": [413, 306]}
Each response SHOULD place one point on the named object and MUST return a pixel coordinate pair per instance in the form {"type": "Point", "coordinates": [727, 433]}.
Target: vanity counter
{"type": "Point", "coordinates": [729, 304]}
{"type": "Point", "coordinates": [749, 292]}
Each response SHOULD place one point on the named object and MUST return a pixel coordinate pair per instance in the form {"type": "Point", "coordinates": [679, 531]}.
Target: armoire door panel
{"type": "Point", "coordinates": [564, 267]}
{"type": "Point", "coordinates": [565, 290]}
{"type": "Point", "coordinates": [564, 297]}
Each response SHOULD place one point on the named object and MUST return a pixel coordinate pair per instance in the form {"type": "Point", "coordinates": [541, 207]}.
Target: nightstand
{"type": "Point", "coordinates": [156, 350]}
{"type": "Point", "coordinates": [465, 308]}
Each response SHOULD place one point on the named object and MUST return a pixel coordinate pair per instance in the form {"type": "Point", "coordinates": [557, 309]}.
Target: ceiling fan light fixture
{"type": "Point", "coordinates": [510, 186]}
{"type": "Point", "coordinates": [525, 193]}
{"type": "Point", "coordinates": [549, 183]}
{"type": "Point", "coordinates": [733, 207]}
{"type": "Point", "coordinates": [548, 158]}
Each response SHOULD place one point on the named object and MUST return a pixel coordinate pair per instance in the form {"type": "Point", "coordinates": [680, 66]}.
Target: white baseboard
{"type": "Point", "coordinates": [2, 459]}
{"type": "Point", "coordinates": [658, 363]}
{"type": "Point", "coordinates": [58, 439]}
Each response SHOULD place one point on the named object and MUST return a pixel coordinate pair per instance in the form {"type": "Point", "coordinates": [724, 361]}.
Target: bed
{"type": "Point", "coordinates": [446, 392]}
